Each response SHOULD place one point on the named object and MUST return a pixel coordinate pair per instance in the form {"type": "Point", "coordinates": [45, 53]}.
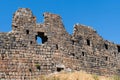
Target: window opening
{"type": "Point", "coordinates": [72, 54]}
{"type": "Point", "coordinates": [56, 46]}
{"type": "Point", "coordinates": [30, 70]}
{"type": "Point", "coordinates": [41, 38]}
{"type": "Point", "coordinates": [106, 58]}
{"type": "Point", "coordinates": [31, 42]}
{"type": "Point", "coordinates": [38, 67]}
{"type": "Point", "coordinates": [88, 42]}
{"type": "Point", "coordinates": [59, 69]}
{"type": "Point", "coordinates": [73, 42]}
{"type": "Point", "coordinates": [15, 26]}
{"type": "Point", "coordinates": [83, 54]}
{"type": "Point", "coordinates": [118, 48]}
{"type": "Point", "coordinates": [106, 46]}
{"type": "Point", "coordinates": [27, 31]}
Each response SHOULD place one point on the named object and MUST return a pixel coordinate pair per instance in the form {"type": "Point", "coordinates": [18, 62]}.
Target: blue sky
{"type": "Point", "coordinates": [102, 15]}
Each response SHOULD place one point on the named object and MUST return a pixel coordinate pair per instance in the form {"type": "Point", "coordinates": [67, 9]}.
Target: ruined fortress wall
{"type": "Point", "coordinates": [23, 58]}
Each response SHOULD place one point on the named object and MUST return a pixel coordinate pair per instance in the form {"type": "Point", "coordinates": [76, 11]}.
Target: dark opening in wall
{"type": "Point", "coordinates": [83, 53]}
{"type": "Point", "coordinates": [72, 54]}
{"type": "Point", "coordinates": [57, 46]}
{"type": "Point", "coordinates": [38, 67]}
{"type": "Point", "coordinates": [106, 58]}
{"type": "Point", "coordinates": [59, 69]}
{"type": "Point", "coordinates": [27, 31]}
{"type": "Point", "coordinates": [73, 42]}
{"type": "Point", "coordinates": [118, 48]}
{"type": "Point", "coordinates": [41, 38]}
{"type": "Point", "coordinates": [88, 42]}
{"type": "Point", "coordinates": [15, 26]}
{"type": "Point", "coordinates": [31, 42]}
{"type": "Point", "coordinates": [106, 46]}
{"type": "Point", "coordinates": [30, 70]}
{"type": "Point", "coordinates": [77, 57]}
{"type": "Point", "coordinates": [2, 55]}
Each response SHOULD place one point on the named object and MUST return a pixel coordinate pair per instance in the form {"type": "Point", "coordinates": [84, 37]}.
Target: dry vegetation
{"type": "Point", "coordinates": [76, 76]}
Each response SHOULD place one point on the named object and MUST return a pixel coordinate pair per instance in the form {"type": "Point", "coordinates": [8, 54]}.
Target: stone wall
{"type": "Point", "coordinates": [23, 58]}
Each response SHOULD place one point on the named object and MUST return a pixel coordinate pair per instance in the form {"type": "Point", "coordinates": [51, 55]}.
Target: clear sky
{"type": "Point", "coordinates": [102, 15]}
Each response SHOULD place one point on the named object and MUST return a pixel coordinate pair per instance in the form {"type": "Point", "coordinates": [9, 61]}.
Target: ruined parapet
{"type": "Point", "coordinates": [23, 58]}
{"type": "Point", "coordinates": [23, 16]}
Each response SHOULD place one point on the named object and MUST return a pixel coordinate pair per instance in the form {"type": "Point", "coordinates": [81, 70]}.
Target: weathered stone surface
{"type": "Point", "coordinates": [22, 58]}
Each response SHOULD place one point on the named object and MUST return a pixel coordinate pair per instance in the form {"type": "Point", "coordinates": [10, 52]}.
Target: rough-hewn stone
{"type": "Point", "coordinates": [22, 58]}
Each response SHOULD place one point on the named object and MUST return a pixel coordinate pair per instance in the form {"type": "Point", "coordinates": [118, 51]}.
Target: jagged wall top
{"type": "Point", "coordinates": [23, 16]}
{"type": "Point", "coordinates": [83, 50]}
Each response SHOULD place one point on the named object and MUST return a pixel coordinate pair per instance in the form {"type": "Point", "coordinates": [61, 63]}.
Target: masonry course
{"type": "Point", "coordinates": [23, 58]}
